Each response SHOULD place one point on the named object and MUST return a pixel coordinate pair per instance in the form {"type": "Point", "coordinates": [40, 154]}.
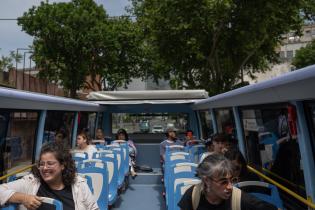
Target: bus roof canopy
{"type": "Point", "coordinates": [147, 96]}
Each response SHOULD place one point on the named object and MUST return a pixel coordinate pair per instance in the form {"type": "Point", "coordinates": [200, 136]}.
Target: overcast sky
{"type": "Point", "coordinates": [11, 36]}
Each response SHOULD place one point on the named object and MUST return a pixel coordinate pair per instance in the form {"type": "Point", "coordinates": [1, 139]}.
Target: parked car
{"type": "Point", "coordinates": [157, 129]}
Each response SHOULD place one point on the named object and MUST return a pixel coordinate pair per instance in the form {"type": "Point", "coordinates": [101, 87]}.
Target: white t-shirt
{"type": "Point", "coordinates": [90, 149]}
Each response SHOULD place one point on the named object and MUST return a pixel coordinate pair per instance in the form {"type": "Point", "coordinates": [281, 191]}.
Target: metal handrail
{"type": "Point", "coordinates": [282, 179]}
{"type": "Point", "coordinates": [290, 192]}
{"type": "Point", "coordinates": [15, 172]}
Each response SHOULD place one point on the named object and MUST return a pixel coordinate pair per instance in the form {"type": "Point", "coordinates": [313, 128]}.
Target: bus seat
{"type": "Point", "coordinates": [88, 180]}
{"type": "Point", "coordinates": [97, 170]}
{"type": "Point", "coordinates": [52, 201]}
{"type": "Point", "coordinates": [112, 167]}
{"type": "Point", "coordinates": [262, 190]}
{"type": "Point", "coordinates": [181, 188]}
{"type": "Point", "coordinates": [195, 151]}
{"type": "Point", "coordinates": [174, 180]}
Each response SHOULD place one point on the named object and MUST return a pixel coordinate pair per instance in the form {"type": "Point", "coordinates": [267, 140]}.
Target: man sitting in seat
{"type": "Point", "coordinates": [171, 140]}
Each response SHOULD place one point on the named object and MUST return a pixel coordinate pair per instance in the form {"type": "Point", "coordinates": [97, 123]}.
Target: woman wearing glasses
{"type": "Point", "coordinates": [216, 189]}
{"type": "Point", "coordinates": [55, 177]}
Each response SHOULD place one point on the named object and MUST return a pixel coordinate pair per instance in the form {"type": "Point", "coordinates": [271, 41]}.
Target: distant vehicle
{"type": "Point", "coordinates": [144, 126]}
{"type": "Point", "coordinates": [172, 126]}
{"type": "Point", "coordinates": [157, 129]}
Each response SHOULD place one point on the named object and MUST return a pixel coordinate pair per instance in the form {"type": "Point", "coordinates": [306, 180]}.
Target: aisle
{"type": "Point", "coordinates": [143, 193]}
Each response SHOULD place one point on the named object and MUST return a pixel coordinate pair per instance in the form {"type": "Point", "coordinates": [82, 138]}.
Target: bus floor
{"type": "Point", "coordinates": [144, 192]}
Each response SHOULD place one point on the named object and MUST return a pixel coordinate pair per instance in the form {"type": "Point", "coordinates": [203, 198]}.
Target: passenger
{"type": "Point", "coordinates": [84, 145]}
{"type": "Point", "coordinates": [215, 190]}
{"type": "Point", "coordinates": [99, 135]}
{"type": "Point", "coordinates": [123, 135]}
{"type": "Point", "coordinates": [220, 143]}
{"type": "Point", "coordinates": [209, 150]}
{"type": "Point", "coordinates": [61, 138]}
{"type": "Point", "coordinates": [53, 177]}
{"type": "Point", "coordinates": [239, 164]}
{"type": "Point", "coordinates": [190, 138]}
{"type": "Point", "coordinates": [171, 140]}
{"type": "Point", "coordinates": [217, 143]}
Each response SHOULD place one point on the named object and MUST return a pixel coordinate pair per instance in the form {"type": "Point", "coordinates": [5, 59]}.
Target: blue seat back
{"type": "Point", "coordinates": [195, 151]}
{"type": "Point", "coordinates": [181, 188]}
{"type": "Point", "coordinates": [110, 157]}
{"type": "Point", "coordinates": [97, 170]}
{"type": "Point", "coordinates": [273, 197]}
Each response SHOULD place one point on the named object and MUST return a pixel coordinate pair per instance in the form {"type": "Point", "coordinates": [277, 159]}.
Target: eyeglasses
{"type": "Point", "coordinates": [226, 181]}
{"type": "Point", "coordinates": [49, 164]}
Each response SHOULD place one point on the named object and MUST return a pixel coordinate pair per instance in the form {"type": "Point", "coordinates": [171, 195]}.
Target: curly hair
{"type": "Point", "coordinates": [64, 157]}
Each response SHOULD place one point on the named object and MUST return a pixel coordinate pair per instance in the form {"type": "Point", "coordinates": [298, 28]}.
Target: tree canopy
{"type": "Point", "coordinates": [77, 39]}
{"type": "Point", "coordinates": [305, 56]}
{"type": "Point", "coordinates": [211, 44]}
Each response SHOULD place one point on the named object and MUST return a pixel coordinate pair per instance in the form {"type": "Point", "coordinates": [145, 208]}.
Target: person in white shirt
{"type": "Point", "coordinates": [54, 176]}
{"type": "Point", "coordinates": [84, 145]}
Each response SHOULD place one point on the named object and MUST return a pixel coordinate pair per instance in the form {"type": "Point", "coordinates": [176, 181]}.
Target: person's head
{"type": "Point", "coordinates": [122, 135]}
{"type": "Point", "coordinates": [209, 145]}
{"type": "Point", "coordinates": [60, 136]}
{"type": "Point", "coordinates": [82, 140]}
{"type": "Point", "coordinates": [231, 144]}
{"type": "Point", "coordinates": [99, 134]}
{"type": "Point", "coordinates": [55, 165]}
{"type": "Point", "coordinates": [171, 134]}
{"type": "Point", "coordinates": [189, 135]}
{"type": "Point", "coordinates": [219, 143]}
{"type": "Point", "coordinates": [238, 161]}
{"type": "Point", "coordinates": [216, 174]}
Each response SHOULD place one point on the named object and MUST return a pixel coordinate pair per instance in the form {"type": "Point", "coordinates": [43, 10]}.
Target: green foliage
{"type": "Point", "coordinates": [77, 39]}
{"type": "Point", "coordinates": [211, 44]}
{"type": "Point", "coordinates": [6, 62]}
{"type": "Point", "coordinates": [305, 56]}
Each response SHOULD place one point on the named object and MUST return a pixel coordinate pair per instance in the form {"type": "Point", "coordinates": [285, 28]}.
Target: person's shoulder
{"type": "Point", "coordinates": [92, 147]}
{"type": "Point", "coordinates": [163, 142]}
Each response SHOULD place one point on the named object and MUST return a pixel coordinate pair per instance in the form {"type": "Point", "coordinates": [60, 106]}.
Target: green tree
{"type": "Point", "coordinates": [305, 56]}
{"type": "Point", "coordinates": [6, 62]}
{"type": "Point", "coordinates": [76, 39]}
{"type": "Point", "coordinates": [212, 44]}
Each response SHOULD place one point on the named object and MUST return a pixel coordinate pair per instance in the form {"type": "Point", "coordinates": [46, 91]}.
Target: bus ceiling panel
{"type": "Point", "coordinates": [149, 108]}
{"type": "Point", "coordinates": [293, 86]}
{"type": "Point", "coordinates": [147, 95]}
{"type": "Point", "coordinates": [149, 102]}
{"type": "Point", "coordinates": [17, 99]}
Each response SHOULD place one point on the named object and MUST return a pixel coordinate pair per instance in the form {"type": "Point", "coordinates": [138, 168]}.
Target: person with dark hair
{"type": "Point", "coordinates": [54, 176]}
{"type": "Point", "coordinates": [217, 143]}
{"type": "Point", "coordinates": [61, 138]}
{"type": "Point", "coordinates": [216, 189]}
{"type": "Point", "coordinates": [189, 138]}
{"type": "Point", "coordinates": [122, 135]}
{"type": "Point", "coordinates": [84, 145]}
{"type": "Point", "coordinates": [239, 164]}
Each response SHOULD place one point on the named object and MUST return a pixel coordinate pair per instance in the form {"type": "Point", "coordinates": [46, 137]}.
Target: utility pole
{"type": "Point", "coordinates": [16, 63]}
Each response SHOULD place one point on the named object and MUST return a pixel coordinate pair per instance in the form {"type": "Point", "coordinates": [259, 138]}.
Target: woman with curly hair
{"type": "Point", "coordinates": [54, 176]}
